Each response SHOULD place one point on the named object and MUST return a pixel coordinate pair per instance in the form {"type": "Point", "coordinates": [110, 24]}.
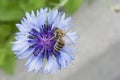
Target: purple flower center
{"type": "Point", "coordinates": [41, 40]}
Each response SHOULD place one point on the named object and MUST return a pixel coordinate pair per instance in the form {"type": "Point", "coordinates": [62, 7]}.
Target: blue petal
{"type": "Point", "coordinates": [35, 63]}
{"type": "Point", "coordinates": [26, 54]}
{"type": "Point", "coordinates": [42, 16]}
{"type": "Point", "coordinates": [69, 52]}
{"type": "Point", "coordinates": [52, 15]}
{"type": "Point", "coordinates": [64, 22]}
{"type": "Point", "coordinates": [19, 46]}
{"type": "Point", "coordinates": [51, 65]}
{"type": "Point", "coordinates": [22, 28]}
{"type": "Point", "coordinates": [19, 52]}
{"type": "Point", "coordinates": [31, 19]}
{"type": "Point", "coordinates": [64, 59]}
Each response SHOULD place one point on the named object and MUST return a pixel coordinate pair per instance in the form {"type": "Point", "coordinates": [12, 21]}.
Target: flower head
{"type": "Point", "coordinates": [38, 39]}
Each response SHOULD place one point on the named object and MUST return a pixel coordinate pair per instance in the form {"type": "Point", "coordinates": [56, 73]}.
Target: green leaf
{"type": "Point", "coordinates": [2, 56]}
{"type": "Point", "coordinates": [3, 3]}
{"type": "Point", "coordinates": [12, 10]}
{"type": "Point", "coordinates": [36, 4]}
{"type": "Point", "coordinates": [31, 4]}
{"type": "Point", "coordinates": [9, 63]}
{"type": "Point", "coordinates": [10, 14]}
{"type": "Point", "coordinates": [5, 33]}
{"type": "Point", "coordinates": [9, 59]}
{"type": "Point", "coordinates": [52, 3]}
{"type": "Point", "coordinates": [9, 10]}
{"type": "Point", "coordinates": [73, 5]}
{"type": "Point", "coordinates": [5, 30]}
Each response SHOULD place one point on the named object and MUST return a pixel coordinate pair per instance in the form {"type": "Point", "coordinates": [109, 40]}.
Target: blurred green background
{"type": "Point", "coordinates": [11, 11]}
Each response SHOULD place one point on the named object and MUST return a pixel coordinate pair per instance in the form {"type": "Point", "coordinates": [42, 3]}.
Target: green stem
{"type": "Point", "coordinates": [62, 3]}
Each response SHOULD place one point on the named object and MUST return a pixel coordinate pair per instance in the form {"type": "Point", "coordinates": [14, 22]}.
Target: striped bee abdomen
{"type": "Point", "coordinates": [59, 45]}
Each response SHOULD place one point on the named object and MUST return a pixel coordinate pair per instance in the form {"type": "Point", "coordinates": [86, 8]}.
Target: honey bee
{"type": "Point", "coordinates": [58, 34]}
{"type": "Point", "coordinates": [116, 8]}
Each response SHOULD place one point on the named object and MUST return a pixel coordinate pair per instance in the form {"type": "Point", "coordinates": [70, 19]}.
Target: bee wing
{"type": "Point", "coordinates": [69, 39]}
{"type": "Point", "coordinates": [74, 43]}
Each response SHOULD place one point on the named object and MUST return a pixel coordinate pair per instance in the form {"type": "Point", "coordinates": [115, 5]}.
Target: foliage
{"type": "Point", "coordinates": [75, 5]}
{"type": "Point", "coordinates": [11, 12]}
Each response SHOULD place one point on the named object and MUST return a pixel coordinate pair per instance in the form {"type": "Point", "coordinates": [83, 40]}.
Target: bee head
{"type": "Point", "coordinates": [60, 32]}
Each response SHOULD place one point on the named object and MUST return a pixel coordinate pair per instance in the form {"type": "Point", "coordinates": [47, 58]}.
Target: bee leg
{"type": "Point", "coordinates": [53, 37]}
{"type": "Point", "coordinates": [54, 51]}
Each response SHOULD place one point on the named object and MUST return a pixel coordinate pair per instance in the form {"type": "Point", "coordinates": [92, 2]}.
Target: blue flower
{"type": "Point", "coordinates": [34, 40]}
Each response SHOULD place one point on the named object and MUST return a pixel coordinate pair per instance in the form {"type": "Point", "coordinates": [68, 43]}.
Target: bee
{"type": "Point", "coordinates": [58, 34]}
{"type": "Point", "coordinates": [116, 8]}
